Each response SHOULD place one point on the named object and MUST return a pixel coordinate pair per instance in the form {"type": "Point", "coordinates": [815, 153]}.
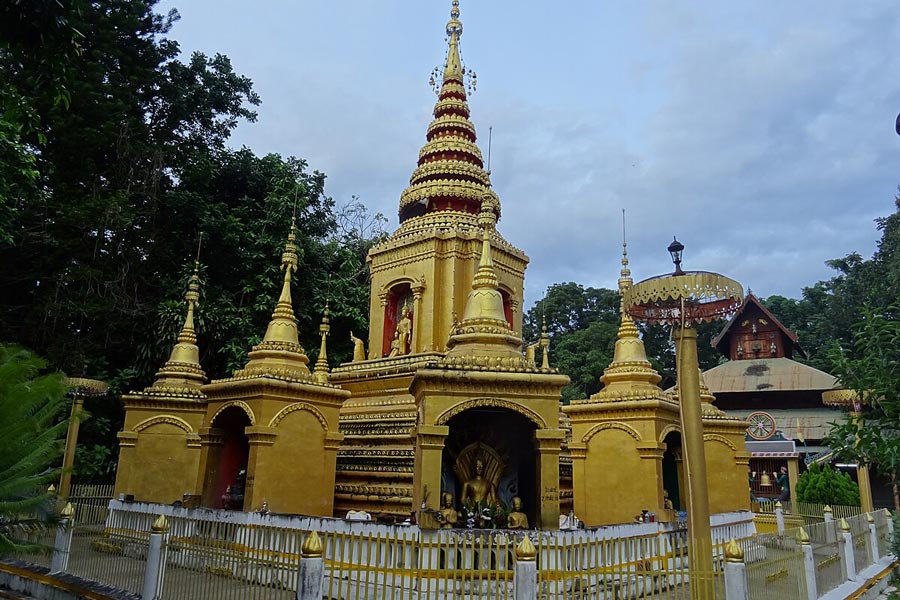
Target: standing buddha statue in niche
{"type": "Point", "coordinates": [448, 517]}
{"type": "Point", "coordinates": [400, 345]}
{"type": "Point", "coordinates": [478, 490]}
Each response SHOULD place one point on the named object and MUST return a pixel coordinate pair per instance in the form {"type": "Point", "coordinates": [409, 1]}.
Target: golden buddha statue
{"type": "Point", "coordinates": [479, 490]}
{"type": "Point", "coordinates": [516, 518]}
{"type": "Point", "coordinates": [404, 332]}
{"type": "Point", "coordinates": [359, 348]}
{"type": "Point", "coordinates": [447, 516]}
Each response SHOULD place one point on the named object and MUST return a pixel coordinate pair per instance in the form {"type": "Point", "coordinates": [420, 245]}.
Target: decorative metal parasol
{"type": "Point", "coordinates": [84, 386]}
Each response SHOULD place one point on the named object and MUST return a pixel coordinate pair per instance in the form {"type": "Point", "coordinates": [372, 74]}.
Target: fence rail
{"type": "Point", "coordinates": [223, 555]}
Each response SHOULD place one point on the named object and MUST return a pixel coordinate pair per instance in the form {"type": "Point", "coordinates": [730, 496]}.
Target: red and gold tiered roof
{"type": "Point", "coordinates": [450, 173]}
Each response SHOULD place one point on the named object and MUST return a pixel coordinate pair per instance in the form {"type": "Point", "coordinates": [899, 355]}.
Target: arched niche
{"type": "Point", "coordinates": [399, 304]}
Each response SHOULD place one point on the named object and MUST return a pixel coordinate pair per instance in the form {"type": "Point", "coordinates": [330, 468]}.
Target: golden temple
{"type": "Point", "coordinates": [448, 408]}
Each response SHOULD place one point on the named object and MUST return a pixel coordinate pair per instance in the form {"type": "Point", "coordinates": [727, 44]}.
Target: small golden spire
{"type": "Point", "coordinates": [845, 526]}
{"type": "Point", "coordinates": [320, 373]}
{"type": "Point", "coordinates": [630, 376]}
{"type": "Point", "coordinates": [545, 343]}
{"type": "Point", "coordinates": [68, 511]}
{"type": "Point", "coordinates": [803, 537]}
{"type": "Point", "coordinates": [312, 546]}
{"type": "Point", "coordinates": [160, 525]}
{"type": "Point", "coordinates": [484, 331]}
{"type": "Point", "coordinates": [280, 353]}
{"type": "Point", "coordinates": [453, 69]}
{"type": "Point", "coordinates": [182, 373]}
{"type": "Point", "coordinates": [526, 551]}
{"type": "Point", "coordinates": [734, 552]}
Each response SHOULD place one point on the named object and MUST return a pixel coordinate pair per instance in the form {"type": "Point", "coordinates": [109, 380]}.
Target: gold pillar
{"type": "Point", "coordinates": [793, 465]}
{"type": "Point", "coordinates": [862, 475]}
{"type": "Point", "coordinates": [429, 458]}
{"type": "Point", "coordinates": [211, 441]}
{"type": "Point", "coordinates": [548, 444]}
{"type": "Point", "coordinates": [259, 438]}
{"type": "Point", "coordinates": [414, 343]}
{"type": "Point", "coordinates": [65, 479]}
{"type": "Point", "coordinates": [699, 534]}
{"type": "Point", "coordinates": [579, 472]}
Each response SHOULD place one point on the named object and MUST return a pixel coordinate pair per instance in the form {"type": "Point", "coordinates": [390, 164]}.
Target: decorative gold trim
{"type": "Point", "coordinates": [299, 406]}
{"type": "Point", "coordinates": [465, 405]}
{"type": "Point", "coordinates": [667, 430]}
{"type": "Point", "coordinates": [611, 425]}
{"type": "Point", "coordinates": [163, 419]}
{"type": "Point", "coordinates": [238, 403]}
{"type": "Point", "coordinates": [712, 437]}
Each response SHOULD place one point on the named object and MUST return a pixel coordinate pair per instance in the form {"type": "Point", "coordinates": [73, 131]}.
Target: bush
{"type": "Point", "coordinates": [820, 485]}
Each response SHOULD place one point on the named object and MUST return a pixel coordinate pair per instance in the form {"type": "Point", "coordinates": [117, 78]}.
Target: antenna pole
{"type": "Point", "coordinates": [490, 136]}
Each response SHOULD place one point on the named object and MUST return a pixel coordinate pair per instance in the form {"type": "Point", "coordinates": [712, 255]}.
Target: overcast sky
{"type": "Point", "coordinates": [760, 133]}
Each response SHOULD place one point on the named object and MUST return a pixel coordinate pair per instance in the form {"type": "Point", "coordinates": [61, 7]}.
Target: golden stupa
{"type": "Point", "coordinates": [445, 400]}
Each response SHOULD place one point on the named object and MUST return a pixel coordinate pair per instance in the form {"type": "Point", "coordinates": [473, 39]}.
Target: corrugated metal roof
{"type": "Point", "coordinates": [766, 375]}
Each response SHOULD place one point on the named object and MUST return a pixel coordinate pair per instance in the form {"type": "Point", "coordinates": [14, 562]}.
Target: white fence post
{"type": "Point", "coordinates": [809, 564]}
{"type": "Point", "coordinates": [847, 542]}
{"type": "Point", "coordinates": [829, 524]}
{"type": "Point", "coordinates": [60, 560]}
{"type": "Point", "coordinates": [156, 560]}
{"type": "Point", "coordinates": [312, 568]}
{"type": "Point", "coordinates": [890, 523]}
{"type": "Point", "coordinates": [525, 578]}
{"type": "Point", "coordinates": [779, 517]}
{"type": "Point", "coordinates": [735, 573]}
{"type": "Point", "coordinates": [872, 539]}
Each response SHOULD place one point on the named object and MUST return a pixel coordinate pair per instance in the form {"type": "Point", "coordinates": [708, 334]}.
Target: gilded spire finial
{"type": "Point", "coordinates": [450, 174]}
{"type": "Point", "coordinates": [320, 373]}
{"type": "Point", "coordinates": [484, 330]}
{"type": "Point", "coordinates": [453, 69]}
{"type": "Point", "coordinates": [280, 353]}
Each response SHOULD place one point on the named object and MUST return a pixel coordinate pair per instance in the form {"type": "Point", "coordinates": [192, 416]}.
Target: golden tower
{"type": "Point", "coordinates": [160, 435]}
{"type": "Point", "coordinates": [626, 444]}
{"type": "Point", "coordinates": [272, 413]}
{"type": "Point", "coordinates": [445, 282]}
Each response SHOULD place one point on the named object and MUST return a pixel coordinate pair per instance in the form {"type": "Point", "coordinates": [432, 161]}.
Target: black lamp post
{"type": "Point", "coordinates": [675, 249]}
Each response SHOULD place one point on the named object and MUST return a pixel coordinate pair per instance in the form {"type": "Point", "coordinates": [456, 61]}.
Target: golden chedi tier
{"type": "Point", "coordinates": [630, 418]}
{"type": "Point", "coordinates": [160, 433]}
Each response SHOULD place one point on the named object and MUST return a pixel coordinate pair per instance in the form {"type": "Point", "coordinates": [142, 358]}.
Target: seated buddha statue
{"type": "Point", "coordinates": [479, 490]}
{"type": "Point", "coordinates": [516, 518]}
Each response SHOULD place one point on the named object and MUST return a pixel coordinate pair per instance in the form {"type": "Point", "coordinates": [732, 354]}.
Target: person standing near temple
{"type": "Point", "coordinates": [784, 482]}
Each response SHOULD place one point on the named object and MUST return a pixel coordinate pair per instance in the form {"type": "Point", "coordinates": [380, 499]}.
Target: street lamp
{"type": "Point", "coordinates": [79, 388]}
{"type": "Point", "coordinates": [681, 300]}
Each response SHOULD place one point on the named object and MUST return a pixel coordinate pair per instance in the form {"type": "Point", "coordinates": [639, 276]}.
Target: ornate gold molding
{"type": "Point", "coordinates": [611, 425]}
{"type": "Point", "coordinates": [456, 409]}
{"type": "Point", "coordinates": [163, 419]}
{"type": "Point", "coordinates": [239, 404]}
{"type": "Point", "coordinates": [299, 406]}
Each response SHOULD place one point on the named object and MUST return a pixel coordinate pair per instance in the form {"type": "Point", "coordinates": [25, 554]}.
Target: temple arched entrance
{"type": "Point", "coordinates": [502, 441]}
{"type": "Point", "coordinates": [672, 468]}
{"type": "Point", "coordinates": [225, 482]}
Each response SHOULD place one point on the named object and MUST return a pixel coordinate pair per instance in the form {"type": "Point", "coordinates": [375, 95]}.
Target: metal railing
{"type": "Point", "coordinates": [91, 503]}
{"type": "Point", "coordinates": [811, 513]}
{"type": "Point", "coordinates": [225, 554]}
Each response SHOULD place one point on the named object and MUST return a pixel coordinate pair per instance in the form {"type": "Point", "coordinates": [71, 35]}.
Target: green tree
{"type": "Point", "coordinates": [32, 434]}
{"type": "Point", "coordinates": [870, 366]}
{"type": "Point", "coordinates": [820, 485]}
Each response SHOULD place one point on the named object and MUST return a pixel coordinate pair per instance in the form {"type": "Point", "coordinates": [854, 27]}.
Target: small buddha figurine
{"type": "Point", "coordinates": [404, 333]}
{"type": "Point", "coordinates": [447, 516]}
{"type": "Point", "coordinates": [359, 349]}
{"type": "Point", "coordinates": [478, 489]}
{"type": "Point", "coordinates": [667, 502]}
{"type": "Point", "coordinates": [516, 518]}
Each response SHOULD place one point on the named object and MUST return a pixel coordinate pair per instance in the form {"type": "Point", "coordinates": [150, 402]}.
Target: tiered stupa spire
{"type": "Point", "coordinates": [182, 371]}
{"type": "Point", "coordinates": [280, 353]}
{"type": "Point", "coordinates": [484, 330]}
{"type": "Point", "coordinates": [320, 373]}
{"type": "Point", "coordinates": [450, 173]}
{"type": "Point", "coordinates": [630, 376]}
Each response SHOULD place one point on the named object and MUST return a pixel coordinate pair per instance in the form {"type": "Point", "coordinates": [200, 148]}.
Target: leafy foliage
{"type": "Point", "coordinates": [113, 158]}
{"type": "Point", "coordinates": [583, 324]}
{"type": "Point", "coordinates": [31, 442]}
{"type": "Point", "coordinates": [871, 368]}
{"type": "Point", "coordinates": [824, 485]}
